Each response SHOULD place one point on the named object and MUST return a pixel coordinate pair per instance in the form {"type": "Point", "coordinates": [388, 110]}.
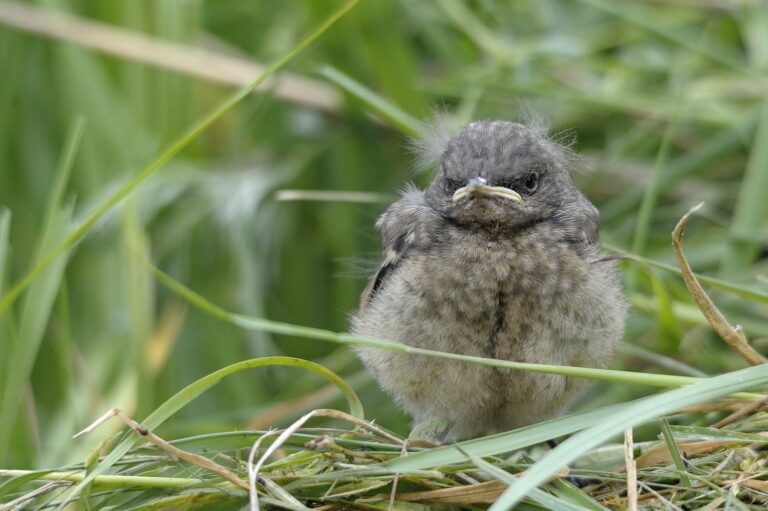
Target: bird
{"type": "Point", "coordinates": [499, 257]}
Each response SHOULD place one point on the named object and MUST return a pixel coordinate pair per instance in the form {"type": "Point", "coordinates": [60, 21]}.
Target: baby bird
{"type": "Point", "coordinates": [499, 257]}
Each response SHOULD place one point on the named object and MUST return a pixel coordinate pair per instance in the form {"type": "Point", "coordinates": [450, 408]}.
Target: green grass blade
{"type": "Point", "coordinates": [751, 294]}
{"type": "Point", "coordinates": [688, 313]}
{"type": "Point", "coordinates": [669, 335]}
{"type": "Point", "coordinates": [627, 417]}
{"type": "Point", "coordinates": [61, 179]}
{"type": "Point", "coordinates": [5, 226]}
{"type": "Point", "coordinates": [705, 433]}
{"type": "Point", "coordinates": [193, 390]}
{"type": "Point", "coordinates": [383, 108]}
{"type": "Point", "coordinates": [236, 439]}
{"type": "Point", "coordinates": [709, 149]}
{"type": "Point", "coordinates": [19, 478]}
{"type": "Point", "coordinates": [38, 303]}
{"type": "Point", "coordinates": [335, 196]}
{"type": "Point", "coordinates": [465, 19]}
{"type": "Point", "coordinates": [5, 335]}
{"type": "Point", "coordinates": [540, 496]}
{"type": "Point", "coordinates": [118, 481]}
{"type": "Point", "coordinates": [751, 205]}
{"type": "Point", "coordinates": [276, 327]}
{"type": "Point", "coordinates": [165, 156]}
{"type": "Point", "coordinates": [33, 320]}
{"type": "Point", "coordinates": [659, 360]}
{"type": "Point", "coordinates": [563, 488]}
{"type": "Point", "coordinates": [669, 438]}
{"type": "Point", "coordinates": [651, 192]}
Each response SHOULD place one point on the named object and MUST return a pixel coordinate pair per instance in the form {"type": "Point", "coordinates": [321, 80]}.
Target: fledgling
{"type": "Point", "coordinates": [499, 257]}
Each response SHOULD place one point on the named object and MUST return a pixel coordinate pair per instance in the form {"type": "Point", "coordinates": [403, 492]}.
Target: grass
{"type": "Point", "coordinates": [141, 204]}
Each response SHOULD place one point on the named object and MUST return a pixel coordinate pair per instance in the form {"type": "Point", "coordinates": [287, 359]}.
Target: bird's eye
{"type": "Point", "coordinates": [531, 182]}
{"type": "Point", "coordinates": [451, 185]}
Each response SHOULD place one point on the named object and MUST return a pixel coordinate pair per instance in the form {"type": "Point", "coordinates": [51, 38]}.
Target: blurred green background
{"type": "Point", "coordinates": [667, 100]}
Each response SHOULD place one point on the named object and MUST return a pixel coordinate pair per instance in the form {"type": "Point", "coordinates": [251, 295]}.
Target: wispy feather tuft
{"type": "Point", "coordinates": [437, 132]}
{"type": "Point", "coordinates": [534, 119]}
{"type": "Point", "coordinates": [432, 140]}
{"type": "Point", "coordinates": [560, 143]}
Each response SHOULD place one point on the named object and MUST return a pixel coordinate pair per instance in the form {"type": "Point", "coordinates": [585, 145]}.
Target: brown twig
{"type": "Point", "coordinates": [383, 434]}
{"type": "Point", "coordinates": [486, 492]}
{"type": "Point", "coordinates": [714, 505]}
{"type": "Point", "coordinates": [18, 503]}
{"type": "Point", "coordinates": [396, 480]}
{"type": "Point", "coordinates": [210, 65]}
{"type": "Point", "coordinates": [660, 455]}
{"type": "Point", "coordinates": [734, 336]}
{"type": "Point", "coordinates": [481, 493]}
{"type": "Point", "coordinates": [742, 412]}
{"type": "Point", "coordinates": [327, 443]}
{"type": "Point", "coordinates": [161, 444]}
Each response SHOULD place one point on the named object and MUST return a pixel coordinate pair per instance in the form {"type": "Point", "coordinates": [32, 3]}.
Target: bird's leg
{"type": "Point", "coordinates": [580, 482]}
{"type": "Point", "coordinates": [433, 431]}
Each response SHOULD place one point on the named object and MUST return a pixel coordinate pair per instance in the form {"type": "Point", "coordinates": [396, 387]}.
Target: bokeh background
{"type": "Point", "coordinates": [666, 100]}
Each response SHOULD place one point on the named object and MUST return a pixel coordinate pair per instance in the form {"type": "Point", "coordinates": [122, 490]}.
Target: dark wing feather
{"type": "Point", "coordinates": [394, 256]}
{"type": "Point", "coordinates": [408, 225]}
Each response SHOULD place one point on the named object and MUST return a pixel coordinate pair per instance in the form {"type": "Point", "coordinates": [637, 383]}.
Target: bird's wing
{"type": "Point", "coordinates": [580, 221]}
{"type": "Point", "coordinates": [393, 256]}
{"type": "Point", "coordinates": [591, 226]}
{"type": "Point", "coordinates": [406, 225]}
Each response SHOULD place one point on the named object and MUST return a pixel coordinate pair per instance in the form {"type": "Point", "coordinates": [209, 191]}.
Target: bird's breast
{"type": "Point", "coordinates": [497, 287]}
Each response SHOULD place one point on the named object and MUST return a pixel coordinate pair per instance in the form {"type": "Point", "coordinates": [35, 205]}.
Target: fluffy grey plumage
{"type": "Point", "coordinates": [498, 258]}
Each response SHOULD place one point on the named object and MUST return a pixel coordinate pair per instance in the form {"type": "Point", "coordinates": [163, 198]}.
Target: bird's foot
{"type": "Point", "coordinates": [432, 431]}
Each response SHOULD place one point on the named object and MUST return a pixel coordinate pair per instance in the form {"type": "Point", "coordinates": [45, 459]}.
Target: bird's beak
{"type": "Point", "coordinates": [478, 186]}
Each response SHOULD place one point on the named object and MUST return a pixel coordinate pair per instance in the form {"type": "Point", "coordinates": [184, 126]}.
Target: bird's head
{"type": "Point", "coordinates": [502, 175]}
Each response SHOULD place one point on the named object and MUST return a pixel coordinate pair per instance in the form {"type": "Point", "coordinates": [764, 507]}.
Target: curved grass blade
{"type": "Point", "coordinates": [378, 105]}
{"type": "Point", "coordinates": [540, 496]}
{"type": "Point", "coordinates": [192, 391]}
{"type": "Point", "coordinates": [21, 350]}
{"type": "Point", "coordinates": [276, 327]}
{"type": "Point", "coordinates": [627, 417]}
{"type": "Point", "coordinates": [36, 308]}
{"type": "Point", "coordinates": [751, 206]}
{"type": "Point", "coordinates": [754, 295]}
{"type": "Point", "coordinates": [18, 478]}
{"type": "Point", "coordinates": [61, 179]}
{"type": "Point", "coordinates": [165, 156]}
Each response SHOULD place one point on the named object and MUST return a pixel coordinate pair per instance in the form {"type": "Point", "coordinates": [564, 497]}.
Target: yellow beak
{"type": "Point", "coordinates": [477, 187]}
